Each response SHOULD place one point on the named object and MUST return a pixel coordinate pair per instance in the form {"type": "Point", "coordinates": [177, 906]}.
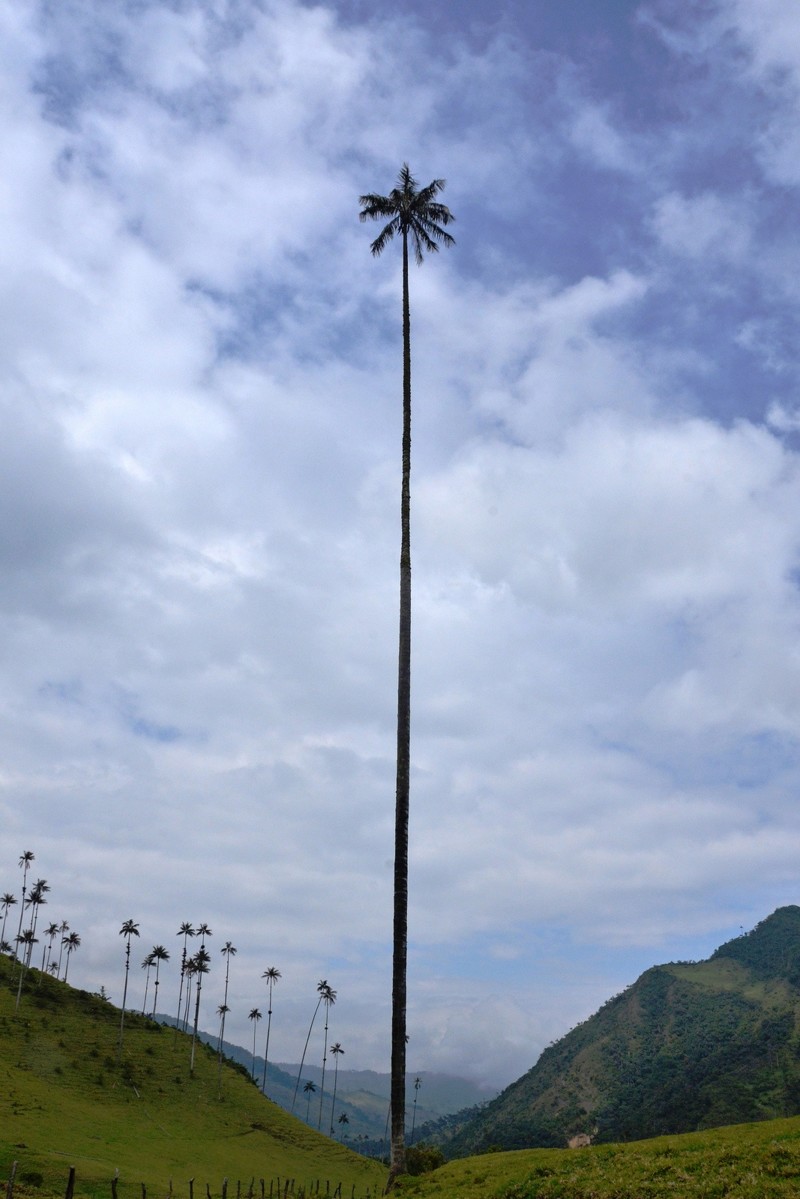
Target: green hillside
{"type": "Point", "coordinates": [66, 1100]}
{"type": "Point", "coordinates": [689, 1046]}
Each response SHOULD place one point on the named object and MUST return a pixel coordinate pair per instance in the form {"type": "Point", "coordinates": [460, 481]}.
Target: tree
{"type": "Point", "coordinates": [6, 902]}
{"type": "Point", "coordinates": [129, 929]}
{"type": "Point", "coordinates": [229, 951]}
{"type": "Point", "coordinates": [417, 1085]}
{"type": "Point", "coordinates": [51, 932]}
{"type": "Point", "coordinates": [322, 990]}
{"type": "Point", "coordinates": [63, 928]}
{"type": "Point", "coordinates": [344, 1120]}
{"type": "Point", "coordinates": [72, 943]}
{"type": "Point", "coordinates": [329, 998]}
{"type": "Point", "coordinates": [184, 931]}
{"type": "Point", "coordinates": [200, 963]}
{"type": "Point", "coordinates": [28, 940]}
{"type": "Point", "coordinates": [255, 1016]}
{"type": "Point", "coordinates": [416, 215]}
{"type": "Point", "coordinates": [159, 954]}
{"type": "Point", "coordinates": [147, 964]}
{"type": "Point", "coordinates": [25, 864]}
{"type": "Point", "coordinates": [309, 1090]}
{"type": "Point", "coordinates": [271, 974]}
{"type": "Point", "coordinates": [35, 901]}
{"type": "Point", "coordinates": [336, 1050]}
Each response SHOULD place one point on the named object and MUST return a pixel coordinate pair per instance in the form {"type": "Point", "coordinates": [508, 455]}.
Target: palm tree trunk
{"type": "Point", "coordinates": [400, 927]}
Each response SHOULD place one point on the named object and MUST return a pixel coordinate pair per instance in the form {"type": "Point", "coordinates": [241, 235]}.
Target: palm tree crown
{"type": "Point", "coordinates": [413, 212]}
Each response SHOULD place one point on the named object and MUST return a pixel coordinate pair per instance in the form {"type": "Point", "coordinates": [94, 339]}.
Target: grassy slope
{"type": "Point", "coordinates": [65, 1102]}
{"type": "Point", "coordinates": [751, 1161]}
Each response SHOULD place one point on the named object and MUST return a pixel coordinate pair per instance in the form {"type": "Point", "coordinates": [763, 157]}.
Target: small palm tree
{"type": "Point", "coordinates": [159, 954]}
{"type": "Point", "coordinates": [201, 961]}
{"type": "Point", "coordinates": [6, 902]}
{"type": "Point", "coordinates": [129, 929]}
{"type": "Point", "coordinates": [28, 940]}
{"type": "Point", "coordinates": [417, 1085]}
{"type": "Point", "coordinates": [72, 943]}
{"type": "Point", "coordinates": [309, 1090]}
{"type": "Point", "coordinates": [51, 932]}
{"type": "Point", "coordinates": [329, 999]}
{"type": "Point", "coordinates": [25, 864]}
{"type": "Point", "coordinates": [229, 952]}
{"type": "Point", "coordinates": [255, 1016]}
{"type": "Point", "coordinates": [147, 964]}
{"type": "Point", "coordinates": [184, 931]}
{"type": "Point", "coordinates": [414, 214]}
{"type": "Point", "coordinates": [271, 974]}
{"type": "Point", "coordinates": [336, 1050]}
{"type": "Point", "coordinates": [35, 901]}
{"type": "Point", "coordinates": [344, 1120]}
{"type": "Point", "coordinates": [322, 990]}
{"type": "Point", "coordinates": [190, 975]}
{"type": "Point", "coordinates": [63, 928]}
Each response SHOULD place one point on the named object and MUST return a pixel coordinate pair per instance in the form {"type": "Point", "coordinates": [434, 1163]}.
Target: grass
{"type": "Point", "coordinates": [66, 1101]}
{"type": "Point", "coordinates": [748, 1161]}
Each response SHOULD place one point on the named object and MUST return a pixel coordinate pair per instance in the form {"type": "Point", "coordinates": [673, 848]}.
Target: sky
{"type": "Point", "coordinates": [200, 367]}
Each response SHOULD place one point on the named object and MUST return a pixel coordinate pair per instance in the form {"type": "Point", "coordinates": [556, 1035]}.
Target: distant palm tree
{"type": "Point", "coordinates": [255, 1016]}
{"type": "Point", "coordinates": [203, 931]}
{"type": "Point", "coordinates": [129, 929]}
{"type": "Point", "coordinates": [72, 943]}
{"type": "Point", "coordinates": [417, 1085]}
{"type": "Point", "coordinates": [190, 974]}
{"type": "Point", "coordinates": [62, 928]}
{"type": "Point", "coordinates": [35, 901]}
{"type": "Point", "coordinates": [344, 1119]}
{"type": "Point", "coordinates": [159, 954]}
{"type": "Point", "coordinates": [336, 1050]}
{"type": "Point", "coordinates": [25, 864]}
{"type": "Point", "coordinates": [309, 1090]}
{"type": "Point", "coordinates": [271, 974]}
{"type": "Point", "coordinates": [51, 932]}
{"type": "Point", "coordinates": [6, 902]}
{"type": "Point", "coordinates": [200, 962]}
{"type": "Point", "coordinates": [184, 931]}
{"type": "Point", "coordinates": [414, 214]}
{"type": "Point", "coordinates": [28, 940]}
{"type": "Point", "coordinates": [322, 990]}
{"type": "Point", "coordinates": [328, 999]}
{"type": "Point", "coordinates": [229, 951]}
{"type": "Point", "coordinates": [222, 1012]}
{"type": "Point", "coordinates": [147, 964]}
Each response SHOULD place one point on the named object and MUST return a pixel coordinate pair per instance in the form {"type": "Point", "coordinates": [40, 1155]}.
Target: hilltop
{"type": "Point", "coordinates": [67, 1099]}
{"type": "Point", "coordinates": [690, 1045]}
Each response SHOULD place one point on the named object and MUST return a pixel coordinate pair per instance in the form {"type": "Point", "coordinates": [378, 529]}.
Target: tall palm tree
{"type": "Point", "coordinates": [25, 864]}
{"type": "Point", "coordinates": [309, 1090]}
{"type": "Point", "coordinates": [190, 973]}
{"type": "Point", "coordinates": [336, 1050]}
{"type": "Point", "coordinates": [129, 929]}
{"type": "Point", "coordinates": [184, 931]}
{"type": "Point", "coordinates": [328, 999]}
{"type": "Point", "coordinates": [322, 990]}
{"type": "Point", "coordinates": [229, 950]}
{"type": "Point", "coordinates": [200, 962]}
{"type": "Point", "coordinates": [255, 1016]}
{"type": "Point", "coordinates": [159, 954]}
{"type": "Point", "coordinates": [203, 931]}
{"type": "Point", "coordinates": [417, 216]}
{"type": "Point", "coordinates": [271, 974]}
{"type": "Point", "coordinates": [6, 902]}
{"type": "Point", "coordinates": [72, 943]}
{"type": "Point", "coordinates": [222, 1012]}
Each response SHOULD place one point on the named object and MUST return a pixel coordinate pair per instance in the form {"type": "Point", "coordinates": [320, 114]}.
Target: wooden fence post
{"type": "Point", "coordinates": [10, 1183]}
{"type": "Point", "coordinates": [70, 1183]}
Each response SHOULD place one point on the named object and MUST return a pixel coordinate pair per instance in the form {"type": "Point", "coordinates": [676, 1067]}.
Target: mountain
{"type": "Point", "coordinates": [690, 1045]}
